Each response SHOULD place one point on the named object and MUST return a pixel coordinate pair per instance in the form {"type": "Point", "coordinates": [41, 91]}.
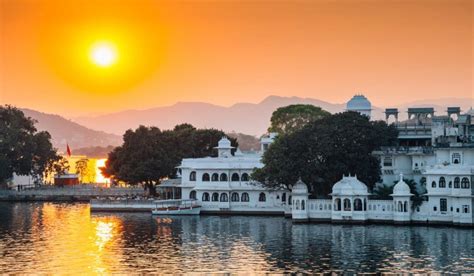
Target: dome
{"type": "Point", "coordinates": [300, 188]}
{"type": "Point", "coordinates": [224, 143]}
{"type": "Point", "coordinates": [349, 185]}
{"type": "Point", "coordinates": [358, 103]}
{"type": "Point", "coordinates": [401, 188]}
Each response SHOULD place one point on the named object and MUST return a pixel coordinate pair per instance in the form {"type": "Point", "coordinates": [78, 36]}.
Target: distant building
{"type": "Point", "coordinates": [361, 104]}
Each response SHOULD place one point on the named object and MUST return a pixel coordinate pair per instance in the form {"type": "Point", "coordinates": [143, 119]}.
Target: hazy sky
{"type": "Point", "coordinates": [225, 52]}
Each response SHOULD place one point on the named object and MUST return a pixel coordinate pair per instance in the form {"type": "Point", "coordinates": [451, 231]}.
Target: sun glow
{"type": "Point", "coordinates": [103, 54]}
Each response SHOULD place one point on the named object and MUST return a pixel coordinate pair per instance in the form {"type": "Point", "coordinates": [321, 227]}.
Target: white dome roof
{"type": "Point", "coordinates": [300, 188]}
{"type": "Point", "coordinates": [224, 143]}
{"type": "Point", "coordinates": [358, 102]}
{"type": "Point", "coordinates": [401, 188]}
{"type": "Point", "coordinates": [349, 185]}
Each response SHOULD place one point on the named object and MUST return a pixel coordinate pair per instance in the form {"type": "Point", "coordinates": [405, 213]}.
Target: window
{"type": "Point", "coordinates": [245, 197]}
{"type": "Point", "coordinates": [235, 177]}
{"type": "Point", "coordinates": [450, 184]}
{"type": "Point", "coordinates": [192, 195]}
{"type": "Point", "coordinates": [192, 176]}
{"type": "Point", "coordinates": [215, 177]}
{"type": "Point", "coordinates": [456, 182]}
{"type": "Point", "coordinates": [347, 204]}
{"type": "Point", "coordinates": [215, 197]}
{"type": "Point", "coordinates": [289, 200]}
{"type": "Point", "coordinates": [234, 197]}
{"type": "Point", "coordinates": [465, 183]}
{"type": "Point", "coordinates": [223, 177]}
{"type": "Point", "coordinates": [435, 208]}
{"type": "Point", "coordinates": [245, 177]}
{"type": "Point", "coordinates": [205, 177]}
{"type": "Point", "coordinates": [387, 161]}
{"type": "Point", "coordinates": [357, 204]}
{"type": "Point", "coordinates": [456, 158]}
{"type": "Point", "coordinates": [224, 197]}
{"type": "Point", "coordinates": [442, 182]}
{"type": "Point", "coordinates": [205, 197]}
{"type": "Point", "coordinates": [262, 197]}
{"type": "Point", "coordinates": [365, 204]}
{"type": "Point", "coordinates": [337, 204]}
{"type": "Point", "coordinates": [283, 197]}
{"type": "Point", "coordinates": [303, 206]}
{"type": "Point", "coordinates": [465, 209]}
{"type": "Point", "coordinates": [433, 184]}
{"type": "Point", "coordinates": [443, 204]}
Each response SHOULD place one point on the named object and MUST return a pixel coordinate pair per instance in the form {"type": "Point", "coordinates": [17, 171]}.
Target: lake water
{"type": "Point", "coordinates": [67, 238]}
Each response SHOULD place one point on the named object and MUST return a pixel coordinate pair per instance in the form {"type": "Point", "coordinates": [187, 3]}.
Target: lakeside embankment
{"type": "Point", "coordinates": [69, 194]}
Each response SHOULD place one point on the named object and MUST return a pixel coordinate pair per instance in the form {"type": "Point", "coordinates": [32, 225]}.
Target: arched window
{"type": "Point", "coordinates": [405, 206]}
{"type": "Point", "coordinates": [192, 195]}
{"type": "Point", "coordinates": [347, 204]}
{"type": "Point", "coordinates": [235, 177]}
{"type": "Point", "coordinates": [289, 200]}
{"type": "Point", "coordinates": [365, 204]}
{"type": "Point", "coordinates": [442, 182]}
{"type": "Point", "coordinates": [224, 197]}
{"type": "Point", "coordinates": [283, 197]}
{"type": "Point", "coordinates": [357, 204]}
{"type": "Point", "coordinates": [456, 182]}
{"type": "Point", "coordinates": [297, 204]}
{"type": "Point", "coordinates": [245, 197]}
{"type": "Point", "coordinates": [205, 197]}
{"type": "Point", "coordinates": [223, 177]}
{"type": "Point", "coordinates": [215, 197]}
{"type": "Point", "coordinates": [303, 206]}
{"type": "Point", "coordinates": [205, 177]}
{"type": "Point", "coordinates": [450, 184]}
{"type": "Point", "coordinates": [337, 204]}
{"type": "Point", "coordinates": [244, 177]}
{"type": "Point", "coordinates": [215, 177]}
{"type": "Point", "coordinates": [234, 197]}
{"type": "Point", "coordinates": [433, 184]}
{"type": "Point", "coordinates": [192, 176]}
{"type": "Point", "coordinates": [400, 206]}
{"type": "Point", "coordinates": [262, 197]}
{"type": "Point", "coordinates": [465, 183]}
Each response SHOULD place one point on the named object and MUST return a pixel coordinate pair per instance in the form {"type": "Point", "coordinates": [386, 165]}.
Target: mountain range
{"type": "Point", "coordinates": [248, 118]}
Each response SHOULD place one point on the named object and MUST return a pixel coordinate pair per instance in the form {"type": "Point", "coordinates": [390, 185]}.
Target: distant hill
{"type": "Point", "coordinates": [65, 131]}
{"type": "Point", "coordinates": [241, 117]}
{"type": "Point", "coordinates": [246, 142]}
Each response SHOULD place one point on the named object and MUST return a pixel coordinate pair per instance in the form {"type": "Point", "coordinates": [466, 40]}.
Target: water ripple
{"type": "Point", "coordinates": [63, 238]}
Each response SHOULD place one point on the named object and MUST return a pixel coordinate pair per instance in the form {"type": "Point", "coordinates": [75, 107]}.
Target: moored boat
{"type": "Point", "coordinates": [176, 207]}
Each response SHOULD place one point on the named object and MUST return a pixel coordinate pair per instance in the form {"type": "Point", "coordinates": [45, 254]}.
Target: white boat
{"type": "Point", "coordinates": [176, 207]}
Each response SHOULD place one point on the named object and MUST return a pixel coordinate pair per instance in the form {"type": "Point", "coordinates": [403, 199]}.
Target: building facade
{"type": "Point", "coordinates": [222, 184]}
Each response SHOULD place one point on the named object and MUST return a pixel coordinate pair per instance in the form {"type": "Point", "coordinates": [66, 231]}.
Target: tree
{"type": "Point", "coordinates": [24, 150]}
{"type": "Point", "coordinates": [149, 155]}
{"type": "Point", "coordinates": [288, 119]}
{"type": "Point", "coordinates": [324, 150]}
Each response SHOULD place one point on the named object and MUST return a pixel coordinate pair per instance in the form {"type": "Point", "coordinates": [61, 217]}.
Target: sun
{"type": "Point", "coordinates": [103, 54]}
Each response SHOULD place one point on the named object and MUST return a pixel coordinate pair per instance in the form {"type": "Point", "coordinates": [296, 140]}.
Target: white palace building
{"type": "Point", "coordinates": [437, 152]}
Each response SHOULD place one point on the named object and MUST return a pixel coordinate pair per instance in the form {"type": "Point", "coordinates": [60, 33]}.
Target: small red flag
{"type": "Point", "coordinates": [68, 150]}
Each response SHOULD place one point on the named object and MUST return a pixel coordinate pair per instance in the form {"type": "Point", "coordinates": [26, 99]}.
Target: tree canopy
{"type": "Point", "coordinates": [148, 154]}
{"type": "Point", "coordinates": [288, 119]}
{"type": "Point", "coordinates": [324, 150]}
{"type": "Point", "coordinates": [24, 150]}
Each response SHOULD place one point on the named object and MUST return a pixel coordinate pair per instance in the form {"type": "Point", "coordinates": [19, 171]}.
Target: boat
{"type": "Point", "coordinates": [176, 207]}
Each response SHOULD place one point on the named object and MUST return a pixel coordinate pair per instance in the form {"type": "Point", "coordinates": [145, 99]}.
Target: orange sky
{"type": "Point", "coordinates": [232, 51]}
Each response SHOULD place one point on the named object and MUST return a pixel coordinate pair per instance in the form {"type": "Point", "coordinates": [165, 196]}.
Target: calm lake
{"type": "Point", "coordinates": [67, 238]}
